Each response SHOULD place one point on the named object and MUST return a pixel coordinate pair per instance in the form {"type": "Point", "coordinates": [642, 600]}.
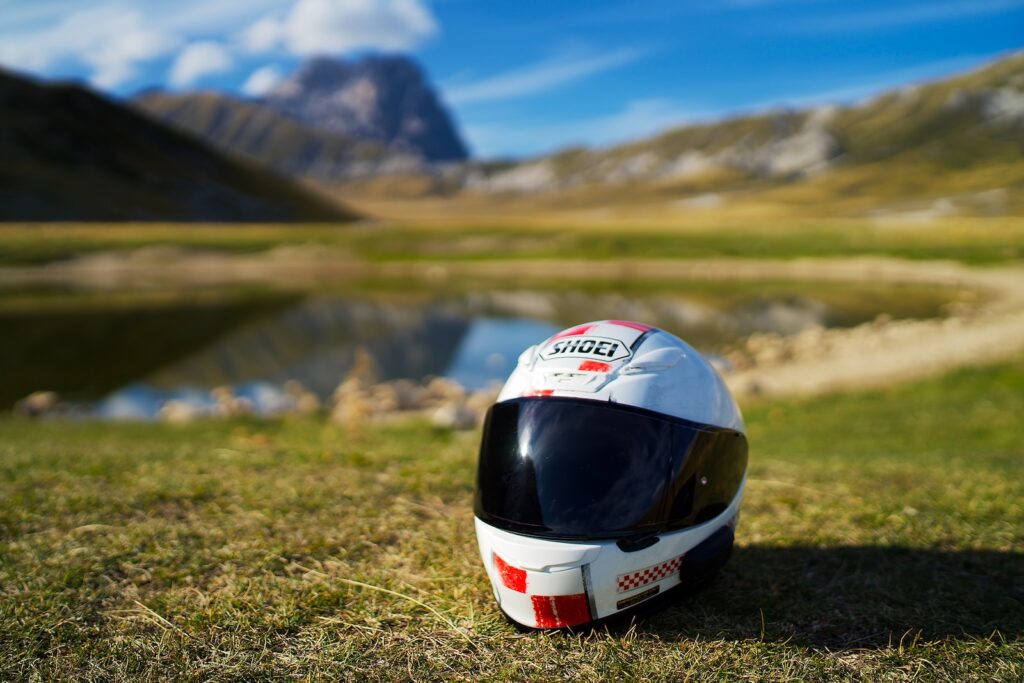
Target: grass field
{"type": "Point", "coordinates": [881, 539]}
{"type": "Point", "coordinates": [423, 233]}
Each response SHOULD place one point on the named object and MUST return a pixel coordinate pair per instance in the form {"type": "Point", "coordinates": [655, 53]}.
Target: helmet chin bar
{"type": "Point", "coordinates": [591, 582]}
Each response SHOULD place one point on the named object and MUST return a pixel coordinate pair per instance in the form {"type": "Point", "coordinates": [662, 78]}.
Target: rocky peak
{"type": "Point", "coordinates": [384, 99]}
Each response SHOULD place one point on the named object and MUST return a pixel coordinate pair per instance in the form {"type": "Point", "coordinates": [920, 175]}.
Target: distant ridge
{"type": "Point", "coordinates": [330, 120]}
{"type": "Point", "coordinates": [949, 126]}
{"type": "Point", "coordinates": [268, 137]}
{"type": "Point", "coordinates": [70, 154]}
{"type": "Point", "coordinates": [924, 151]}
{"type": "Point", "coordinates": [947, 147]}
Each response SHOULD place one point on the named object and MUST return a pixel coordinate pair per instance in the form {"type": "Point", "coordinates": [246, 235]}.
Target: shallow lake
{"type": "Point", "coordinates": [124, 354]}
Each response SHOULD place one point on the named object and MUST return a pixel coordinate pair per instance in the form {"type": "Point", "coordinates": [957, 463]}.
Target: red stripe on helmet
{"type": "Point", "coordinates": [556, 611]}
{"type": "Point", "coordinates": [630, 324]}
{"type": "Point", "coordinates": [511, 577]}
{"type": "Point", "coordinates": [594, 366]}
{"type": "Point", "coordinates": [537, 392]}
{"type": "Point", "coordinates": [573, 331]}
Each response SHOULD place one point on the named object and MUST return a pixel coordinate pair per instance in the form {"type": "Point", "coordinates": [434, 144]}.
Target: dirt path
{"type": "Point", "coordinates": [814, 361]}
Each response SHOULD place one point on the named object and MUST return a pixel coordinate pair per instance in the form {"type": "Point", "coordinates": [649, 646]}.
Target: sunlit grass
{"type": "Point", "coordinates": [443, 233]}
{"type": "Point", "coordinates": [880, 537]}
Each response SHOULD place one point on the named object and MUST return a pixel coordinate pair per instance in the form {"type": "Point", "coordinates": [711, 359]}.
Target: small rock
{"type": "Point", "coordinates": [483, 399]}
{"type": "Point", "coordinates": [36, 404]}
{"type": "Point", "coordinates": [179, 412]}
{"type": "Point", "coordinates": [443, 389]}
{"type": "Point", "coordinates": [306, 402]}
{"type": "Point", "coordinates": [454, 415]}
{"type": "Point", "coordinates": [229, 405]}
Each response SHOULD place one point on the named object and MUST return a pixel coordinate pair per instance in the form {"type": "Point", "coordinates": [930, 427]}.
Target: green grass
{"type": "Point", "coordinates": [721, 241]}
{"type": "Point", "coordinates": [881, 539]}
{"type": "Point", "coordinates": [444, 237]}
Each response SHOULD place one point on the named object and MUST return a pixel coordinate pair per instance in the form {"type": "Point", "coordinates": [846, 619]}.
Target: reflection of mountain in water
{"type": "Point", "coordinates": [703, 325]}
{"type": "Point", "coordinates": [316, 341]}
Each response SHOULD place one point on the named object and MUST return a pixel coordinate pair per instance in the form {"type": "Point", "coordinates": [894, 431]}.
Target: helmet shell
{"type": "Point", "coordinates": [550, 583]}
{"type": "Point", "coordinates": [629, 363]}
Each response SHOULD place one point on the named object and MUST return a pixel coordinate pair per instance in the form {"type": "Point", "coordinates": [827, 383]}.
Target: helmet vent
{"type": "Point", "coordinates": [574, 381]}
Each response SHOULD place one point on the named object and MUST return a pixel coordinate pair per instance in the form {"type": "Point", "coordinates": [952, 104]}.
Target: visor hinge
{"type": "Point", "coordinates": [631, 544]}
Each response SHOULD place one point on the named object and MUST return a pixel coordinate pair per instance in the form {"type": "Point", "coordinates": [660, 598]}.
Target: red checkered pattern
{"type": "Point", "coordinates": [642, 577]}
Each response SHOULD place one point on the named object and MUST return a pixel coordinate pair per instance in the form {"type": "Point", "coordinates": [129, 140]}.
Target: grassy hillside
{"type": "Point", "coordinates": [69, 154]}
{"type": "Point", "coordinates": [954, 122]}
{"type": "Point", "coordinates": [946, 148]}
{"type": "Point", "coordinates": [261, 134]}
{"type": "Point", "coordinates": [949, 147]}
{"type": "Point", "coordinates": [880, 539]}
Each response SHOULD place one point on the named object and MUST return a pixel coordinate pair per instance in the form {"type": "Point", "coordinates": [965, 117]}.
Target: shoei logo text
{"type": "Point", "coordinates": [586, 347]}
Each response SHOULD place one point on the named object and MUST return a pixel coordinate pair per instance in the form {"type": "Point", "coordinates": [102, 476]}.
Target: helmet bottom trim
{"type": "Point", "coordinates": [704, 561]}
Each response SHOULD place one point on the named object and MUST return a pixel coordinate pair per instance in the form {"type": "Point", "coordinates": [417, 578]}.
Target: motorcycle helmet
{"type": "Point", "coordinates": [611, 472]}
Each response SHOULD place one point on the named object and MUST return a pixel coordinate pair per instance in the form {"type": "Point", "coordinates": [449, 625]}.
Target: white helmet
{"type": "Point", "coordinates": [611, 471]}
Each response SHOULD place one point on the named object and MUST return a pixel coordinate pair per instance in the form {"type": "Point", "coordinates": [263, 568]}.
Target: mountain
{"type": "Point", "coordinates": [384, 99]}
{"type": "Point", "coordinates": [70, 154]}
{"type": "Point", "coordinates": [262, 134]}
{"type": "Point", "coordinates": [958, 140]}
{"type": "Point", "coordinates": [331, 120]}
{"type": "Point", "coordinates": [952, 146]}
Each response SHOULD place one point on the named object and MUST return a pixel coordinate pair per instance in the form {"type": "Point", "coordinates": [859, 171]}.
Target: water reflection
{"type": "Point", "coordinates": [473, 338]}
{"type": "Point", "coordinates": [473, 353]}
{"type": "Point", "coordinates": [315, 342]}
{"type": "Point", "coordinates": [142, 359]}
{"type": "Point", "coordinates": [491, 347]}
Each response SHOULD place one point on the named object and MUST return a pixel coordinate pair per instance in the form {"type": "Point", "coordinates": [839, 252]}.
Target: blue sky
{"type": "Point", "coordinates": [526, 77]}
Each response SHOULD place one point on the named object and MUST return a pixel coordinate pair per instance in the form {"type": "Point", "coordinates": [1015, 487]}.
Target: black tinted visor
{"type": "Point", "coordinates": [576, 468]}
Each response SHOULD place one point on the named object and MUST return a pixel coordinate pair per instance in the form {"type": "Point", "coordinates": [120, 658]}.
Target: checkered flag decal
{"type": "Point", "coordinates": [642, 577]}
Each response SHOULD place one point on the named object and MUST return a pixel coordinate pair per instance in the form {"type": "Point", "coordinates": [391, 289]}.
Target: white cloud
{"type": "Point", "coordinates": [210, 17]}
{"type": "Point", "coordinates": [537, 78]}
{"type": "Point", "coordinates": [263, 36]}
{"type": "Point", "coordinates": [112, 42]}
{"type": "Point", "coordinates": [197, 61]}
{"type": "Point", "coordinates": [262, 80]}
{"type": "Point", "coordinates": [338, 26]}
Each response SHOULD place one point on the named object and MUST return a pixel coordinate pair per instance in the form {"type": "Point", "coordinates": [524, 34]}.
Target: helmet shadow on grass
{"type": "Point", "coordinates": [852, 597]}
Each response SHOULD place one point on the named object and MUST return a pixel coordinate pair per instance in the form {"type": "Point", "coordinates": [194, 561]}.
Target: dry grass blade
{"type": "Point", "coordinates": [787, 484]}
{"type": "Point", "coordinates": [360, 584]}
{"type": "Point", "coordinates": [151, 616]}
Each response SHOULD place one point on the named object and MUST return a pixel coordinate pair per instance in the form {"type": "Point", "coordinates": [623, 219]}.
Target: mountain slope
{"type": "Point", "coordinates": [960, 135]}
{"type": "Point", "coordinates": [264, 135]}
{"type": "Point", "coordinates": [70, 154]}
{"type": "Point", "coordinates": [384, 99]}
